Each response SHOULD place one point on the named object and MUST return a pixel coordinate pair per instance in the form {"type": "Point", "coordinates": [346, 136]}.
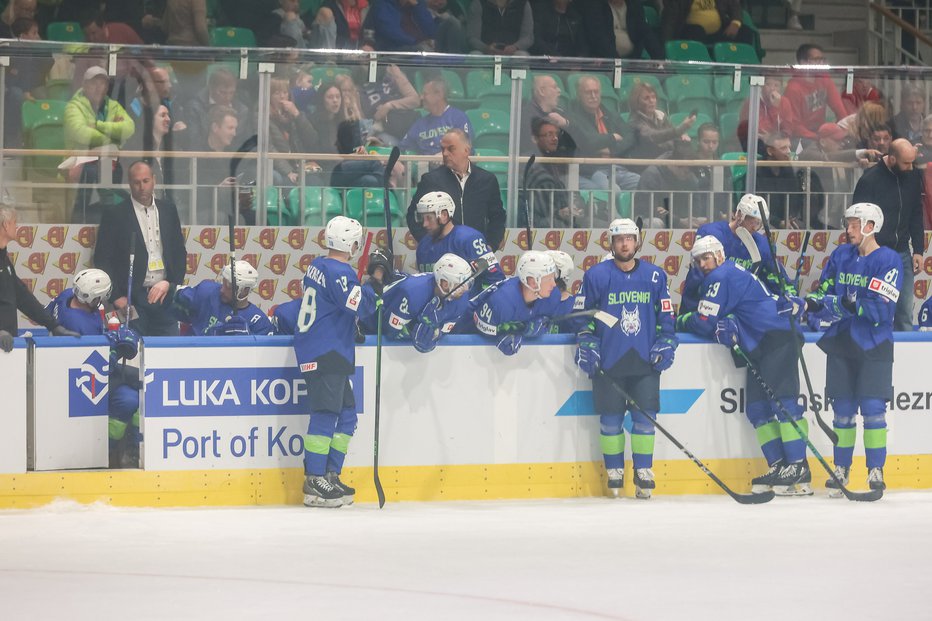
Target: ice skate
{"type": "Point", "coordinates": [643, 482]}
{"type": "Point", "coordinates": [794, 480]}
{"type": "Point", "coordinates": [319, 492]}
{"type": "Point", "coordinates": [875, 479]}
{"type": "Point", "coordinates": [348, 492]}
{"type": "Point", "coordinates": [616, 481]}
{"type": "Point", "coordinates": [842, 473]}
{"type": "Point", "coordinates": [766, 481]}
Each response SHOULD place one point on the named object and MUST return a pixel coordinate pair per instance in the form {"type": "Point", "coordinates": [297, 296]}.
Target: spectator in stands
{"type": "Point", "coordinates": [552, 205]}
{"type": "Point", "coordinates": [708, 138]}
{"type": "Point", "coordinates": [424, 137]}
{"type": "Point", "coordinates": [402, 26]}
{"type": "Point", "coordinates": [451, 26]}
{"type": "Point", "coordinates": [25, 75]}
{"type": "Point", "coordinates": [289, 132]}
{"type": "Point", "coordinates": [390, 102]}
{"type": "Point", "coordinates": [599, 133]}
{"type": "Point", "coordinates": [292, 25]}
{"type": "Point", "coordinates": [792, 14]}
{"type": "Point", "coordinates": [908, 123]}
{"type": "Point", "coordinates": [161, 258]}
{"type": "Point", "coordinates": [618, 29]}
{"type": "Point", "coordinates": [155, 89]}
{"type": "Point", "coordinates": [360, 173]}
{"type": "Point", "coordinates": [862, 91]}
{"type": "Point", "coordinates": [781, 186]}
{"type": "Point", "coordinates": [545, 104]}
{"type": "Point", "coordinates": [558, 30]}
{"type": "Point", "coordinates": [214, 180]}
{"type": "Point", "coordinates": [669, 195]}
{"type": "Point", "coordinates": [114, 33]}
{"type": "Point", "coordinates": [500, 27]}
{"type": "Point", "coordinates": [15, 9]}
{"type": "Point", "coordinates": [327, 116]}
{"type": "Point", "coordinates": [653, 130]}
{"type": "Point", "coordinates": [769, 119]}
{"type": "Point", "coordinates": [924, 147]}
{"type": "Point", "coordinates": [474, 190]}
{"type": "Point", "coordinates": [880, 139]}
{"type": "Point", "coordinates": [185, 23]}
{"type": "Point", "coordinates": [869, 117]}
{"type": "Point", "coordinates": [802, 108]}
{"type": "Point", "coordinates": [220, 90]}
{"type": "Point", "coordinates": [342, 22]}
{"type": "Point", "coordinates": [701, 20]}
{"type": "Point", "coordinates": [153, 137]}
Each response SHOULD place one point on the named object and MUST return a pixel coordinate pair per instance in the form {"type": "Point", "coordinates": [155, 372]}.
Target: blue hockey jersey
{"type": "Point", "coordinates": [925, 315]}
{"type": "Point", "coordinates": [83, 322]}
{"type": "Point", "coordinates": [564, 307]}
{"type": "Point", "coordinates": [285, 317]}
{"type": "Point", "coordinates": [873, 283]}
{"type": "Point", "coordinates": [466, 243]}
{"type": "Point", "coordinates": [502, 309]}
{"type": "Point", "coordinates": [425, 134]}
{"type": "Point", "coordinates": [201, 307]}
{"type": "Point", "coordinates": [641, 301]}
{"type": "Point", "coordinates": [326, 324]}
{"type": "Point", "coordinates": [403, 300]}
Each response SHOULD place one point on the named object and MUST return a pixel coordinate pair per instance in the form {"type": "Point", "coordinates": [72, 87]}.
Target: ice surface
{"type": "Point", "coordinates": [671, 558]}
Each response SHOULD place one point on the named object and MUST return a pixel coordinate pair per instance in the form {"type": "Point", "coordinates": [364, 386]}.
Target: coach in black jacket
{"type": "Point", "coordinates": [154, 276]}
{"type": "Point", "coordinates": [478, 198]}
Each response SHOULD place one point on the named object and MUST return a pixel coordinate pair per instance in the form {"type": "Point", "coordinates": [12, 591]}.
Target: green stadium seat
{"type": "Point", "coordinates": [747, 21]}
{"type": "Point", "coordinates": [365, 205]}
{"type": "Point", "coordinates": [490, 129]}
{"type": "Point", "coordinates": [60, 90]}
{"type": "Point", "coordinates": [683, 50]}
{"type": "Point", "coordinates": [65, 31]}
{"type": "Point", "coordinates": [326, 74]}
{"type": "Point", "coordinates": [43, 128]}
{"type": "Point", "coordinates": [480, 86]}
{"type": "Point", "coordinates": [275, 203]}
{"type": "Point", "coordinates": [729, 100]}
{"type": "Point", "coordinates": [739, 171]}
{"type": "Point", "coordinates": [42, 112]}
{"type": "Point", "coordinates": [693, 131]}
{"type": "Point", "coordinates": [320, 204]}
{"type": "Point", "coordinates": [452, 78]}
{"type": "Point", "coordinates": [652, 17]}
{"type": "Point", "coordinates": [499, 169]}
{"type": "Point", "coordinates": [691, 91]}
{"type": "Point", "coordinates": [309, 6]}
{"type": "Point", "coordinates": [623, 204]}
{"type": "Point", "coordinates": [728, 124]}
{"type": "Point", "coordinates": [735, 53]}
{"type": "Point", "coordinates": [232, 37]}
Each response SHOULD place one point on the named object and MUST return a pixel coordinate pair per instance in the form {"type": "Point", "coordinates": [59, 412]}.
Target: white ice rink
{"type": "Point", "coordinates": [673, 558]}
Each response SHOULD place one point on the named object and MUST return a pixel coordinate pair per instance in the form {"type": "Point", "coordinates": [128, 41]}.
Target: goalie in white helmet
{"type": "Point", "coordinates": [857, 296]}
{"type": "Point", "coordinates": [521, 306]}
{"type": "Point", "coordinates": [209, 308]}
{"type": "Point", "coordinates": [744, 243]}
{"type": "Point", "coordinates": [632, 355]}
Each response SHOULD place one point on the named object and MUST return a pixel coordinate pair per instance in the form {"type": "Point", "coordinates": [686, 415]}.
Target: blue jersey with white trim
{"type": "Point", "coordinates": [326, 325]}
{"type": "Point", "coordinates": [285, 317]}
{"type": "Point", "coordinates": [83, 322]}
{"type": "Point", "coordinates": [201, 307]}
{"type": "Point", "coordinates": [730, 289]}
{"type": "Point", "coordinates": [503, 308]}
{"type": "Point", "coordinates": [466, 243]}
{"type": "Point", "coordinates": [873, 283]}
{"type": "Point", "coordinates": [566, 306]}
{"type": "Point", "coordinates": [925, 315]}
{"type": "Point", "coordinates": [640, 299]}
{"type": "Point", "coordinates": [404, 299]}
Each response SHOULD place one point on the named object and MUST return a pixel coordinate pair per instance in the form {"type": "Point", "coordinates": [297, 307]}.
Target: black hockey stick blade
{"type": "Point", "coordinates": [386, 202]}
{"type": "Point", "coordinates": [232, 227]}
{"type": "Point", "coordinates": [527, 202]}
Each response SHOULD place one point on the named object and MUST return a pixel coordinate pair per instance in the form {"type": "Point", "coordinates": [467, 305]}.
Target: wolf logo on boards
{"type": "Point", "coordinates": [267, 238]}
{"type": "Point", "coordinates": [55, 236]}
{"type": "Point", "coordinates": [631, 321]}
{"type": "Point", "coordinates": [87, 387]}
{"type": "Point", "coordinates": [296, 238]}
{"type": "Point", "coordinates": [87, 236]}
{"type": "Point", "coordinates": [208, 237]}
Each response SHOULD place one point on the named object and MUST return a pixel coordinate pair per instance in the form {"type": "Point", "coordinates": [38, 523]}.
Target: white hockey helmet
{"type": "Point", "coordinates": [609, 256]}
{"type": "Point", "coordinates": [624, 226]}
{"type": "Point", "coordinates": [866, 212]}
{"type": "Point", "coordinates": [753, 206]}
{"type": "Point", "coordinates": [92, 287]}
{"type": "Point", "coordinates": [534, 264]}
{"type": "Point", "coordinates": [246, 278]}
{"type": "Point", "coordinates": [563, 261]}
{"type": "Point", "coordinates": [435, 203]}
{"type": "Point", "coordinates": [452, 270]}
{"type": "Point", "coordinates": [705, 245]}
{"type": "Point", "coordinates": [344, 234]}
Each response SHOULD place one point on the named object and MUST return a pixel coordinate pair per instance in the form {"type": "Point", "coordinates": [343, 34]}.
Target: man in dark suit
{"type": "Point", "coordinates": [161, 257]}
{"type": "Point", "coordinates": [475, 190]}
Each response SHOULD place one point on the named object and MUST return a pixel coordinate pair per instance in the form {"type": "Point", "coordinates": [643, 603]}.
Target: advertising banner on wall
{"type": "Point", "coordinates": [13, 412]}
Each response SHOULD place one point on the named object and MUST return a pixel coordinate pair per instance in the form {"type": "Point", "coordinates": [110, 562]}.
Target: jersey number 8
{"type": "Point", "coordinates": [308, 312]}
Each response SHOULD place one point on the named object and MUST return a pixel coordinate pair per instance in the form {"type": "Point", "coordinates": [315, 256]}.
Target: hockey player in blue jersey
{"type": "Point", "coordinates": [749, 214]}
{"type": "Point", "coordinates": [208, 307]}
{"type": "Point", "coordinates": [925, 316]}
{"type": "Point", "coordinates": [435, 210]}
{"type": "Point", "coordinates": [737, 309]}
{"type": "Point", "coordinates": [632, 354]}
{"type": "Point", "coordinates": [414, 307]}
{"type": "Point", "coordinates": [857, 295]}
{"type": "Point", "coordinates": [521, 306]}
{"type": "Point", "coordinates": [568, 302]}
{"type": "Point", "coordinates": [80, 309]}
{"type": "Point", "coordinates": [285, 316]}
{"type": "Point", "coordinates": [325, 350]}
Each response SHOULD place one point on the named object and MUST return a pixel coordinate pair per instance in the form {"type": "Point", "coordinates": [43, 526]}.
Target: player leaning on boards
{"type": "Point", "coordinates": [208, 307]}
{"type": "Point", "coordinates": [857, 295]}
{"type": "Point", "coordinates": [325, 350]}
{"type": "Point", "coordinates": [631, 355]}
{"type": "Point", "coordinates": [737, 309]}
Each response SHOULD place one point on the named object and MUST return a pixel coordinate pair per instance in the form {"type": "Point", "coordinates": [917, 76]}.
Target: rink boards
{"type": "Point", "coordinates": [223, 421]}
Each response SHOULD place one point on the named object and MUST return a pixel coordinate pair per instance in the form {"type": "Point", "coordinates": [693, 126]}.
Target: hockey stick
{"type": "Point", "coordinates": [753, 251]}
{"type": "Point", "coordinates": [801, 260]}
{"type": "Point", "coordinates": [527, 202]}
{"type": "Point", "coordinates": [378, 404]}
{"type": "Point", "coordinates": [364, 259]}
{"type": "Point", "coordinates": [232, 224]}
{"type": "Point", "coordinates": [386, 203]}
{"type": "Point", "coordinates": [744, 499]}
{"type": "Point", "coordinates": [601, 316]}
{"type": "Point", "coordinates": [826, 429]}
{"type": "Point", "coordinates": [872, 495]}
{"type": "Point", "coordinates": [129, 288]}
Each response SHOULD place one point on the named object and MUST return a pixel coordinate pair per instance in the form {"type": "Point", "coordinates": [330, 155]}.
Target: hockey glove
{"type": "Point", "coordinates": [510, 344]}
{"type": "Point", "coordinates": [662, 354]}
{"type": "Point", "coordinates": [588, 358]}
{"type": "Point", "coordinates": [235, 325]}
{"type": "Point", "coordinates": [425, 337]}
{"type": "Point", "coordinates": [790, 305]}
{"type": "Point", "coordinates": [538, 326]}
{"type": "Point", "coordinates": [835, 307]}
{"type": "Point", "coordinates": [124, 342]}
{"type": "Point", "coordinates": [63, 331]}
{"type": "Point", "coordinates": [726, 331]}
{"type": "Point", "coordinates": [6, 341]}
{"type": "Point", "coordinates": [379, 260]}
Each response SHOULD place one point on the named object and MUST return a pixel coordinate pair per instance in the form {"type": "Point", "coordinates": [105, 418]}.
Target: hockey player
{"type": "Point", "coordinates": [925, 316]}
{"type": "Point", "coordinates": [567, 301]}
{"type": "Point", "coordinates": [325, 350]}
{"type": "Point", "coordinates": [208, 307]}
{"type": "Point", "coordinates": [414, 308]}
{"type": "Point", "coordinates": [857, 295]}
{"type": "Point", "coordinates": [749, 214]}
{"type": "Point", "coordinates": [80, 309]}
{"type": "Point", "coordinates": [736, 308]}
{"type": "Point", "coordinates": [435, 210]}
{"type": "Point", "coordinates": [285, 316]}
{"type": "Point", "coordinates": [632, 355]}
{"type": "Point", "coordinates": [521, 306]}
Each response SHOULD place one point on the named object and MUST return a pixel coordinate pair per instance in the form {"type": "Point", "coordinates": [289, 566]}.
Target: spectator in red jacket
{"type": "Point", "coordinates": [802, 109]}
